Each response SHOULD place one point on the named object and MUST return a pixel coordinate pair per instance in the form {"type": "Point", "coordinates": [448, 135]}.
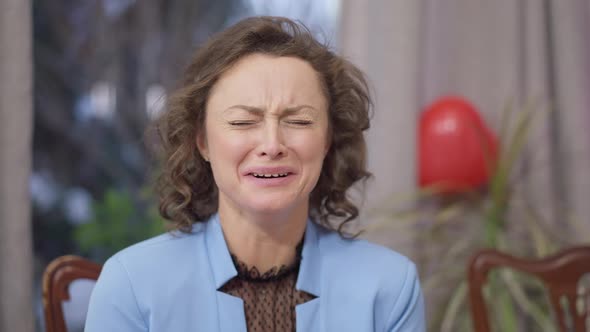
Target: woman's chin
{"type": "Point", "coordinates": [263, 203]}
{"type": "Point", "coordinates": [270, 209]}
{"type": "Point", "coordinates": [274, 207]}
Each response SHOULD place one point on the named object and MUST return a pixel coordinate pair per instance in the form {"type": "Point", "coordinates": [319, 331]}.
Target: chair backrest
{"type": "Point", "coordinates": [58, 276]}
{"type": "Point", "coordinates": [560, 273]}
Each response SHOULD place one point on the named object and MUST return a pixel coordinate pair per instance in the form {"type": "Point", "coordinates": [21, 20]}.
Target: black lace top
{"type": "Point", "coordinates": [269, 298]}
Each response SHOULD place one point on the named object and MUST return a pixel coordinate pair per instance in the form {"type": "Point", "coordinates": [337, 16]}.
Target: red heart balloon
{"type": "Point", "coordinates": [457, 150]}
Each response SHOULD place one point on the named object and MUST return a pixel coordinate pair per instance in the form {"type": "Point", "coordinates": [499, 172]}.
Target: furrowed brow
{"type": "Point", "coordinates": [258, 110]}
{"type": "Point", "coordinates": [251, 109]}
{"type": "Point", "coordinates": [296, 109]}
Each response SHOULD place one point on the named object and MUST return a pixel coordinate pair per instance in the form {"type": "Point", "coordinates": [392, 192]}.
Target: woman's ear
{"type": "Point", "coordinates": [202, 146]}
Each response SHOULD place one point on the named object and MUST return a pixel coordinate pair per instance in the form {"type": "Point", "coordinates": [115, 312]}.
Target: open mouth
{"type": "Point", "coordinates": [269, 176]}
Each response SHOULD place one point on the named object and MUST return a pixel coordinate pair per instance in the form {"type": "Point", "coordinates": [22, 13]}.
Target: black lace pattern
{"type": "Point", "coordinates": [269, 298]}
{"type": "Point", "coordinates": [275, 273]}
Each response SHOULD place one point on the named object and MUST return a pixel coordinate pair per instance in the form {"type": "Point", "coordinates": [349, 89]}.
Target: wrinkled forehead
{"type": "Point", "coordinates": [267, 80]}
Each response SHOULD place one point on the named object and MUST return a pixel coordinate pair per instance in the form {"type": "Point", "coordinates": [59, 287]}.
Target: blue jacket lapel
{"type": "Point", "coordinates": [308, 280]}
{"type": "Point", "coordinates": [230, 309]}
{"type": "Point", "coordinates": [231, 313]}
{"type": "Point", "coordinates": [219, 258]}
{"type": "Point", "coordinates": [308, 316]}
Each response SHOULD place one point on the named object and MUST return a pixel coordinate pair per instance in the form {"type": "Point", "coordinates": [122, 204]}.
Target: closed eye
{"type": "Point", "coordinates": [241, 123]}
{"type": "Point", "coordinates": [299, 122]}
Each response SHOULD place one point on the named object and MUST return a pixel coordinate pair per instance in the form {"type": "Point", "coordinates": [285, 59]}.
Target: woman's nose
{"type": "Point", "coordinates": [272, 142]}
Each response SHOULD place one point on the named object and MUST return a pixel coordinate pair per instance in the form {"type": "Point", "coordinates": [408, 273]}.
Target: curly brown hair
{"type": "Point", "coordinates": [186, 188]}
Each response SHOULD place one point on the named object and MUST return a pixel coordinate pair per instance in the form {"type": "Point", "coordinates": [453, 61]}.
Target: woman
{"type": "Point", "coordinates": [261, 143]}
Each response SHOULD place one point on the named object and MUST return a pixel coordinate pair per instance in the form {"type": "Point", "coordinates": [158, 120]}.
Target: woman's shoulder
{"type": "Point", "coordinates": [362, 252]}
{"type": "Point", "coordinates": [168, 247]}
{"type": "Point", "coordinates": [362, 261]}
{"type": "Point", "coordinates": [376, 277]}
{"type": "Point", "coordinates": [147, 277]}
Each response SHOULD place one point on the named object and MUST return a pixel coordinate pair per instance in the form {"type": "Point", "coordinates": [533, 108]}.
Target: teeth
{"type": "Point", "coordinates": [269, 175]}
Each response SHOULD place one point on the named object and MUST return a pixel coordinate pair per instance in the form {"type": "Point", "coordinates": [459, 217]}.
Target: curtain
{"type": "Point", "coordinates": [491, 53]}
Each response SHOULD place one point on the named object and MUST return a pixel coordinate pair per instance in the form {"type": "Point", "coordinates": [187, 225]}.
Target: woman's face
{"type": "Point", "coordinates": [266, 134]}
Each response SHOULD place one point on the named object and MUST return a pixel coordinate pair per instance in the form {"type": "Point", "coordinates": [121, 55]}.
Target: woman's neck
{"type": "Point", "coordinates": [263, 241]}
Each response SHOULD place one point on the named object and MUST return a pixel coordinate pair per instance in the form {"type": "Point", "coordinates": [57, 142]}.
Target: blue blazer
{"type": "Point", "coordinates": [170, 283]}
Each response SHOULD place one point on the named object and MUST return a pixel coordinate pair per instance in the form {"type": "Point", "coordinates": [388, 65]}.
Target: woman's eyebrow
{"type": "Point", "coordinates": [258, 110]}
{"type": "Point", "coordinates": [250, 109]}
{"type": "Point", "coordinates": [295, 109]}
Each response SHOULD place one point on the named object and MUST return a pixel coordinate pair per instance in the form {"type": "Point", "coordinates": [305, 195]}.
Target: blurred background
{"type": "Point", "coordinates": [81, 80]}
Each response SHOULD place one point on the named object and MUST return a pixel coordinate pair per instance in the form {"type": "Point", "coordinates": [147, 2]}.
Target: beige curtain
{"type": "Point", "coordinates": [490, 52]}
{"type": "Point", "coordinates": [493, 51]}
{"type": "Point", "coordinates": [16, 259]}
{"type": "Point", "coordinates": [381, 38]}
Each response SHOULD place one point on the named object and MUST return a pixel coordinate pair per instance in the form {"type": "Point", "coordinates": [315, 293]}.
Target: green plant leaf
{"type": "Point", "coordinates": [117, 222]}
{"type": "Point", "coordinates": [450, 316]}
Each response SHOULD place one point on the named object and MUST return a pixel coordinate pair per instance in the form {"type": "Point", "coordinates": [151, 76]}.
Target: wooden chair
{"type": "Point", "coordinates": [560, 273]}
{"type": "Point", "coordinates": [58, 276]}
